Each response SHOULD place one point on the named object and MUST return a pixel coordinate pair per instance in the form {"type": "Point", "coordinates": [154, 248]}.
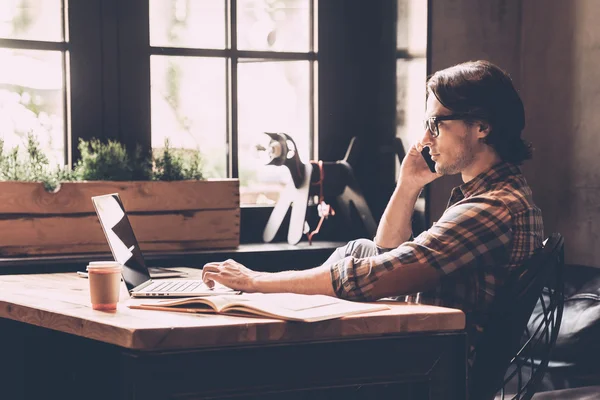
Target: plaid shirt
{"type": "Point", "coordinates": [490, 226]}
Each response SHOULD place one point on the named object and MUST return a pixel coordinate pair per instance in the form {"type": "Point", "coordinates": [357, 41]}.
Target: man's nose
{"type": "Point", "coordinates": [427, 138]}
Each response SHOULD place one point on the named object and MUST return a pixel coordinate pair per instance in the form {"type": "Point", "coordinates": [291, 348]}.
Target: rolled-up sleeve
{"type": "Point", "coordinates": [474, 232]}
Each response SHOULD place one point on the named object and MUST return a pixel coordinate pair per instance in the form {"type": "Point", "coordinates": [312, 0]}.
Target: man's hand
{"type": "Point", "coordinates": [414, 171]}
{"type": "Point", "coordinates": [231, 274]}
{"type": "Point", "coordinates": [237, 277]}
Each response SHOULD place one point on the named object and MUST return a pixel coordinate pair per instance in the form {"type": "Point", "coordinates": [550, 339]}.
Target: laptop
{"type": "Point", "coordinates": [126, 251]}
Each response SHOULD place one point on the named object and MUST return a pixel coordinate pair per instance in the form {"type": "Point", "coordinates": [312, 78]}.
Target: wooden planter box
{"type": "Point", "coordinates": [166, 216]}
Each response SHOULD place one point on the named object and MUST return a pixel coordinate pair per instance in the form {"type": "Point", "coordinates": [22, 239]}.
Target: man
{"type": "Point", "coordinates": [473, 125]}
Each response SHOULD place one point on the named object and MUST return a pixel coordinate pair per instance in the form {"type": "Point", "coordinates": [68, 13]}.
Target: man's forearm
{"type": "Point", "coordinates": [313, 281]}
{"type": "Point", "coordinates": [395, 226]}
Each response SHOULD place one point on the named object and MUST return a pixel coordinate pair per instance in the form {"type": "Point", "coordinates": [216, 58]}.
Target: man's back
{"type": "Point", "coordinates": [498, 227]}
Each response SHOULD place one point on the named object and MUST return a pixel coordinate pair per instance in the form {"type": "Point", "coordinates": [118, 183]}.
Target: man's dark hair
{"type": "Point", "coordinates": [482, 90]}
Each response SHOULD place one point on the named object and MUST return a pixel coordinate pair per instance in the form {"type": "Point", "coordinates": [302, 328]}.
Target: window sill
{"type": "Point", "coordinates": [259, 256]}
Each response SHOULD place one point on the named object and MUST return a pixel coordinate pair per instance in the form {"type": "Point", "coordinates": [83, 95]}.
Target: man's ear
{"type": "Point", "coordinates": [483, 130]}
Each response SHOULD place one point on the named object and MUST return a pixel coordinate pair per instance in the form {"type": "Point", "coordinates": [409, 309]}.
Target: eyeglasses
{"type": "Point", "coordinates": [431, 123]}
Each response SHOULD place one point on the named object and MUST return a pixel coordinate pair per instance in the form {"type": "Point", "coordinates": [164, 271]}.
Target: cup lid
{"type": "Point", "coordinates": [103, 265]}
{"type": "Point", "coordinates": [112, 262]}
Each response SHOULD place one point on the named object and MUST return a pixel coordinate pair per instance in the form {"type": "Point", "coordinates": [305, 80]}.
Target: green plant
{"type": "Point", "coordinates": [141, 165]}
{"type": "Point", "coordinates": [194, 168]}
{"type": "Point", "coordinates": [10, 167]}
{"type": "Point", "coordinates": [99, 161]}
{"type": "Point", "coordinates": [168, 166]}
{"type": "Point", "coordinates": [110, 161]}
{"type": "Point", "coordinates": [37, 167]}
{"type": "Point", "coordinates": [32, 165]}
{"type": "Point", "coordinates": [173, 165]}
{"type": "Point", "coordinates": [103, 161]}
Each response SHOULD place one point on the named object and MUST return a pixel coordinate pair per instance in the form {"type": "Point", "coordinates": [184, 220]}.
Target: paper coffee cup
{"type": "Point", "coordinates": [105, 284]}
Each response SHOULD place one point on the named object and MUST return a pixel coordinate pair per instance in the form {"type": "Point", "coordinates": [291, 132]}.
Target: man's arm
{"type": "Point", "coordinates": [468, 235]}
{"type": "Point", "coordinates": [312, 281]}
{"type": "Point", "coordinates": [472, 234]}
{"type": "Point", "coordinates": [236, 276]}
{"type": "Point", "coordinates": [395, 226]}
{"type": "Point", "coordinates": [407, 279]}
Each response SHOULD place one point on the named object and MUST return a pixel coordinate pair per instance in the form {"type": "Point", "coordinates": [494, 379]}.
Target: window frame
{"type": "Point", "coordinates": [405, 54]}
{"type": "Point", "coordinates": [90, 71]}
{"type": "Point", "coordinates": [137, 68]}
{"type": "Point", "coordinates": [134, 51]}
{"type": "Point", "coordinates": [64, 48]}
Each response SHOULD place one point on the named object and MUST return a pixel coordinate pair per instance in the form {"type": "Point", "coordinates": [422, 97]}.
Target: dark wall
{"type": "Point", "coordinates": [551, 48]}
{"type": "Point", "coordinates": [561, 82]}
{"type": "Point", "coordinates": [463, 30]}
{"type": "Point", "coordinates": [357, 93]}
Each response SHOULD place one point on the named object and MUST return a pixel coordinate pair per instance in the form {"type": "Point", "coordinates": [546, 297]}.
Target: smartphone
{"type": "Point", "coordinates": [428, 160]}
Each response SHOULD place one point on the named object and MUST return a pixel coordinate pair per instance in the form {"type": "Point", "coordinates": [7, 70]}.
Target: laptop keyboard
{"type": "Point", "coordinates": [177, 286]}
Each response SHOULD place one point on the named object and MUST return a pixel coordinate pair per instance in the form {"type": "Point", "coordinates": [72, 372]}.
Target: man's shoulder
{"type": "Point", "coordinates": [514, 192]}
{"type": "Point", "coordinates": [477, 208]}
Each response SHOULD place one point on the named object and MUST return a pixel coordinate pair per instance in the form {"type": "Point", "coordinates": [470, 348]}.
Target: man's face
{"type": "Point", "coordinates": [457, 144]}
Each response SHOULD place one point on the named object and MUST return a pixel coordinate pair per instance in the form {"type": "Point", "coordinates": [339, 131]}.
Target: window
{"type": "Point", "coordinates": [215, 75]}
{"type": "Point", "coordinates": [33, 67]}
{"type": "Point", "coordinates": [223, 73]}
{"type": "Point", "coordinates": [411, 77]}
{"type": "Point", "coordinates": [411, 69]}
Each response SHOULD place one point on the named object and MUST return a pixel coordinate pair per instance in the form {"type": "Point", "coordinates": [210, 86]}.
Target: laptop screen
{"type": "Point", "coordinates": [120, 237]}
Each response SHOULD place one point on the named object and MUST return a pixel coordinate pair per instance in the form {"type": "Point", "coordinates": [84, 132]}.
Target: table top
{"type": "Point", "coordinates": [61, 302]}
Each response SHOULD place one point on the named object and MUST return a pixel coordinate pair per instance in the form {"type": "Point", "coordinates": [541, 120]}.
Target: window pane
{"type": "Point", "coordinates": [273, 97]}
{"type": "Point", "coordinates": [412, 26]}
{"type": "Point", "coordinates": [188, 99]}
{"type": "Point", "coordinates": [32, 101]}
{"type": "Point", "coordinates": [31, 19]}
{"type": "Point", "coordinates": [282, 25]}
{"type": "Point", "coordinates": [187, 23]}
{"type": "Point", "coordinates": [410, 103]}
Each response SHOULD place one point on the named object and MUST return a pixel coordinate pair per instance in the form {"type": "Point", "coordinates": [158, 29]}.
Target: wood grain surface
{"type": "Point", "coordinates": [166, 216]}
{"type": "Point", "coordinates": [61, 302]}
{"type": "Point", "coordinates": [25, 198]}
{"type": "Point", "coordinates": [75, 231]}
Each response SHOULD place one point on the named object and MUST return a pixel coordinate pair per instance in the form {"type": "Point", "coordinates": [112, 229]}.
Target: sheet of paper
{"type": "Point", "coordinates": [292, 302]}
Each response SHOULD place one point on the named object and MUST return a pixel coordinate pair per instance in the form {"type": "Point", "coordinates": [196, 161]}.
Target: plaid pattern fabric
{"type": "Point", "coordinates": [490, 226]}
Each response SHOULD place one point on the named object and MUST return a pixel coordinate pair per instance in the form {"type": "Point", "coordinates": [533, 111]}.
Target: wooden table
{"type": "Point", "coordinates": [59, 347]}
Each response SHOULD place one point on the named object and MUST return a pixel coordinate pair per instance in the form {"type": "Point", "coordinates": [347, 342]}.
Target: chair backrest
{"type": "Point", "coordinates": [503, 350]}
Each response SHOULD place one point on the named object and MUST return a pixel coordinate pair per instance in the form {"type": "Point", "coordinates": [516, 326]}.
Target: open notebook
{"type": "Point", "coordinates": [286, 306]}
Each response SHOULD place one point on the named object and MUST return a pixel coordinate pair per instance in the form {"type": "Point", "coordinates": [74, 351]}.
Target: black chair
{"type": "Point", "coordinates": [509, 360]}
{"type": "Point", "coordinates": [582, 393]}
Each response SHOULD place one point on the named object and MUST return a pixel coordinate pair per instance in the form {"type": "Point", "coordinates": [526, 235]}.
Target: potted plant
{"type": "Point", "coordinates": [48, 211]}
